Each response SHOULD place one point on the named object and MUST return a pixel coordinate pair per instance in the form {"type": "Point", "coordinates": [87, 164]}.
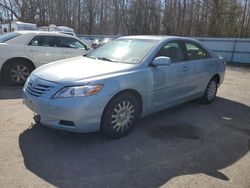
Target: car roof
{"type": "Point", "coordinates": [52, 33]}
{"type": "Point", "coordinates": [155, 37]}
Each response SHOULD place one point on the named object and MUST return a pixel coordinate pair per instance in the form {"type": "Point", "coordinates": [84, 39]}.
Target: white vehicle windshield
{"type": "Point", "coordinates": [8, 36]}
{"type": "Point", "coordinates": [130, 51]}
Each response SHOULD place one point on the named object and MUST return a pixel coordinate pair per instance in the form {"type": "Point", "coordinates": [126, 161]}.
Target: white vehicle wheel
{"type": "Point", "coordinates": [16, 73]}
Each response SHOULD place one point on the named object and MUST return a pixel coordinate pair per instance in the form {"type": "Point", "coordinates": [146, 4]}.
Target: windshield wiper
{"type": "Point", "coordinates": [100, 58]}
{"type": "Point", "coordinates": [105, 59]}
{"type": "Point", "coordinates": [87, 55]}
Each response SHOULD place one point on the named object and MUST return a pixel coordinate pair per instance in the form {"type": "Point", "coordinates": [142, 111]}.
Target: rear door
{"type": "Point", "coordinates": [44, 49]}
{"type": "Point", "coordinates": [72, 47]}
{"type": "Point", "coordinates": [203, 63]}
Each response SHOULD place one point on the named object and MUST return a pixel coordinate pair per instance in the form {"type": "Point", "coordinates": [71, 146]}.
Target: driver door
{"type": "Point", "coordinates": [167, 85]}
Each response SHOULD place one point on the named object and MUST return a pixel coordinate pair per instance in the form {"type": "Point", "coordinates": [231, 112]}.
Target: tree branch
{"type": "Point", "coordinates": [9, 9]}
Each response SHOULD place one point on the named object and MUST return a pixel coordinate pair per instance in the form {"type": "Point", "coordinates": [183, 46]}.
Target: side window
{"type": "Point", "coordinates": [172, 50]}
{"type": "Point", "coordinates": [195, 52]}
{"type": "Point", "coordinates": [46, 41]}
{"type": "Point", "coordinates": [67, 42]}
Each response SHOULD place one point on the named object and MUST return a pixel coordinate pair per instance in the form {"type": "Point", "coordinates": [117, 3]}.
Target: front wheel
{"type": "Point", "coordinates": [210, 92]}
{"type": "Point", "coordinates": [120, 116]}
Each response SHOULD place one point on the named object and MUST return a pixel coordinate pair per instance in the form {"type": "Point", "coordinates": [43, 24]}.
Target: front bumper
{"type": "Point", "coordinates": [78, 114]}
{"type": "Point", "coordinates": [84, 112]}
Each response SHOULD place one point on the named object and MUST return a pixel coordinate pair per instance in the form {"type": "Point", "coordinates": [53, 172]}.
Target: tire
{"type": "Point", "coordinates": [211, 91]}
{"type": "Point", "coordinates": [120, 116]}
{"type": "Point", "coordinates": [16, 72]}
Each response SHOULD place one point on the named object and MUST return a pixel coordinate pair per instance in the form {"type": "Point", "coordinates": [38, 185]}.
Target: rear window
{"type": "Point", "coordinates": [8, 36]}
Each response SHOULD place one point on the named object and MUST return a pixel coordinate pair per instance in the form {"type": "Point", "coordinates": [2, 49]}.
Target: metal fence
{"type": "Point", "coordinates": [234, 50]}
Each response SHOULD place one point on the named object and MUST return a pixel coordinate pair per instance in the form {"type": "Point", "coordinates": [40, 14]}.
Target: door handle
{"type": "Point", "coordinates": [185, 69]}
{"type": "Point", "coordinates": [33, 50]}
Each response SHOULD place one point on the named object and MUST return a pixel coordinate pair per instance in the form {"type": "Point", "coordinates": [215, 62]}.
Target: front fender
{"type": "Point", "coordinates": [132, 80]}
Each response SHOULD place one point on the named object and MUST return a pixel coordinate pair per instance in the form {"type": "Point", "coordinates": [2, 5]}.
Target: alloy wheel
{"type": "Point", "coordinates": [122, 116]}
{"type": "Point", "coordinates": [19, 73]}
{"type": "Point", "coordinates": [211, 90]}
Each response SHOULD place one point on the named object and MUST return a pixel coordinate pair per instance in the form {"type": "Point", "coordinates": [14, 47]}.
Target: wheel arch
{"type": "Point", "coordinates": [17, 59]}
{"type": "Point", "coordinates": [217, 78]}
{"type": "Point", "coordinates": [127, 91]}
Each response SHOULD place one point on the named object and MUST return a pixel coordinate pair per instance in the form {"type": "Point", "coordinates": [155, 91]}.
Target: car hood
{"type": "Point", "coordinates": [78, 69]}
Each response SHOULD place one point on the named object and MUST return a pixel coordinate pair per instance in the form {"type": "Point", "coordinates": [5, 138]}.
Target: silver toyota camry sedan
{"type": "Point", "coordinates": [128, 78]}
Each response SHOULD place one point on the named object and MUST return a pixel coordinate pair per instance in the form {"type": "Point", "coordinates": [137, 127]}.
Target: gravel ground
{"type": "Point", "coordinates": [191, 145]}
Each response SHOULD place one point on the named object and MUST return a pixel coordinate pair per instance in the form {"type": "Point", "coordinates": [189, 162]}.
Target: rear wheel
{"type": "Point", "coordinates": [17, 72]}
{"type": "Point", "coordinates": [210, 92]}
{"type": "Point", "coordinates": [120, 116]}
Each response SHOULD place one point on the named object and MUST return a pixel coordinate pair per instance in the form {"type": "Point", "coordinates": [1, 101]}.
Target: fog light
{"type": "Point", "coordinates": [67, 123]}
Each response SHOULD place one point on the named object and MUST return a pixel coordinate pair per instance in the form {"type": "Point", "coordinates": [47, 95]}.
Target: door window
{"type": "Point", "coordinates": [67, 42]}
{"type": "Point", "coordinates": [195, 52]}
{"type": "Point", "coordinates": [172, 50]}
{"type": "Point", "coordinates": [46, 41]}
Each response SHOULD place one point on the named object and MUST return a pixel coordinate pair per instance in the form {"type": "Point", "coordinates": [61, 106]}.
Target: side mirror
{"type": "Point", "coordinates": [161, 61]}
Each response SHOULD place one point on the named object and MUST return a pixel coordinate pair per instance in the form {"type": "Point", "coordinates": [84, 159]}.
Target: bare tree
{"type": "Point", "coordinates": [225, 18]}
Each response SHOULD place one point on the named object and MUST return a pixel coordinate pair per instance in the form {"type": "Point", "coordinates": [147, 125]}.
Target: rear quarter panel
{"type": "Point", "coordinates": [15, 48]}
{"type": "Point", "coordinates": [8, 51]}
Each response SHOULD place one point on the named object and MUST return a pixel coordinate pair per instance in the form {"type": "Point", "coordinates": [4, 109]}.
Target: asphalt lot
{"type": "Point", "coordinates": [191, 145]}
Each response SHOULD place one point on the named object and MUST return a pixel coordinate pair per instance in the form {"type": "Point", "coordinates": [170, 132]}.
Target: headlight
{"type": "Point", "coordinates": [78, 91]}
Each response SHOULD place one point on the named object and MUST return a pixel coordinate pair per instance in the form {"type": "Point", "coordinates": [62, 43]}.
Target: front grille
{"type": "Point", "coordinates": [37, 89]}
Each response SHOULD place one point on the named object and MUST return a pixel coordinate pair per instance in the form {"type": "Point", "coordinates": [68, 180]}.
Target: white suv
{"type": "Point", "coordinates": [22, 51]}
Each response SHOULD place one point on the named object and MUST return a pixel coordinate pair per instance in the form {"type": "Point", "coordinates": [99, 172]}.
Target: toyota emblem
{"type": "Point", "coordinates": [30, 83]}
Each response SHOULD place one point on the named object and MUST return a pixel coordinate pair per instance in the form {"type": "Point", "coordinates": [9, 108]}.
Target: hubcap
{"type": "Point", "coordinates": [19, 73]}
{"type": "Point", "coordinates": [211, 90]}
{"type": "Point", "coordinates": [122, 116]}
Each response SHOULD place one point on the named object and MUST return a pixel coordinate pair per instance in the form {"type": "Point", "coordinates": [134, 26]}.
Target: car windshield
{"type": "Point", "coordinates": [8, 36]}
{"type": "Point", "coordinates": [130, 51]}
